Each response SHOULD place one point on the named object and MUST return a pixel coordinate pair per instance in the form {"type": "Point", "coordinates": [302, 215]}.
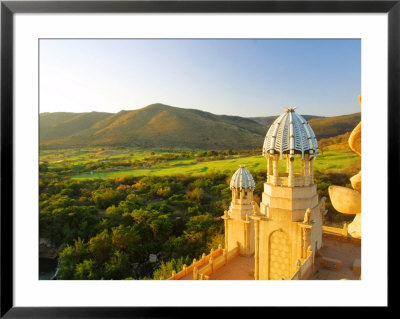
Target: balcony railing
{"type": "Point", "coordinates": [208, 264]}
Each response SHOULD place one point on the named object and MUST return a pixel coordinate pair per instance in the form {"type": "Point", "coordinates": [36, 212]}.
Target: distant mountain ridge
{"type": "Point", "coordinates": [159, 125]}
{"type": "Point", "coordinates": [268, 120]}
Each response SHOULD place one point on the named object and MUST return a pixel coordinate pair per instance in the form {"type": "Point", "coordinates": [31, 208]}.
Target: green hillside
{"type": "Point", "coordinates": [156, 125]}
{"type": "Point", "coordinates": [62, 124]}
{"type": "Point", "coordinates": [163, 126]}
{"type": "Point", "coordinates": [335, 125]}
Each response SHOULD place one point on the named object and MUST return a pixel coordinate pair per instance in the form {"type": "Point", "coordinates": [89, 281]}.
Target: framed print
{"type": "Point", "coordinates": [147, 144]}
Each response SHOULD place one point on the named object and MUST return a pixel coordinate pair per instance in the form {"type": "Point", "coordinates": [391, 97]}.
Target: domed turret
{"type": "Point", "coordinates": [242, 186]}
{"type": "Point", "coordinates": [242, 179]}
{"type": "Point", "coordinates": [238, 225]}
{"type": "Point", "coordinates": [290, 134]}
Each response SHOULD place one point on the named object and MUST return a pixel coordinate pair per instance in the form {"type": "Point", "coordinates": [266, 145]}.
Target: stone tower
{"type": "Point", "coordinates": [238, 225]}
{"type": "Point", "coordinates": [288, 223]}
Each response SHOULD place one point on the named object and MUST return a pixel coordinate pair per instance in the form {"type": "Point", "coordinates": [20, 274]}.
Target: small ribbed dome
{"type": "Point", "coordinates": [290, 134]}
{"type": "Point", "coordinates": [242, 179]}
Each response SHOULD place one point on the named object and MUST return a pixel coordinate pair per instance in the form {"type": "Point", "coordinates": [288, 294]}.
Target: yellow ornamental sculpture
{"type": "Point", "coordinates": [346, 200]}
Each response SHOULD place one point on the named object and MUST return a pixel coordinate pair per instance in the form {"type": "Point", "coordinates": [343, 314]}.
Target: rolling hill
{"type": "Point", "coordinates": [335, 125]}
{"type": "Point", "coordinates": [159, 125]}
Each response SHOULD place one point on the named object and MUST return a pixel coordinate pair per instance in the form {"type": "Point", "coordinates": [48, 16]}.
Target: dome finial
{"type": "Point", "coordinates": [290, 109]}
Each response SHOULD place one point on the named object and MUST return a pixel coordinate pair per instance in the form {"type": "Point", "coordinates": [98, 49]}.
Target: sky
{"type": "Point", "coordinates": [244, 77]}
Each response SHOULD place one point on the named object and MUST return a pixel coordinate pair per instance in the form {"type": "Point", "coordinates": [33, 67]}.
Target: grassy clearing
{"type": "Point", "coordinates": [86, 155]}
{"type": "Point", "coordinates": [330, 161]}
{"type": "Point", "coordinates": [180, 167]}
{"type": "Point", "coordinates": [59, 159]}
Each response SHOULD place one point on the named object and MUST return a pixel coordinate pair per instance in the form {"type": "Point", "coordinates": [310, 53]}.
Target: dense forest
{"type": "Point", "coordinates": [109, 227]}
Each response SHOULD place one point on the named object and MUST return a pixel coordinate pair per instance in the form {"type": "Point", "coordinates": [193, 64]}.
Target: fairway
{"type": "Point", "coordinates": [328, 162]}
{"type": "Point", "coordinates": [253, 163]}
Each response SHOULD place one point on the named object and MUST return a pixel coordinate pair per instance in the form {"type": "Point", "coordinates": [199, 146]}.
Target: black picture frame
{"type": "Point", "coordinates": [9, 8]}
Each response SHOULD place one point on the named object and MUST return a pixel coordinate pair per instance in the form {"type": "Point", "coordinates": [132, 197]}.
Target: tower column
{"type": "Point", "coordinates": [287, 163]}
{"type": "Point", "coordinates": [275, 168]}
{"type": "Point", "coordinates": [305, 241]}
{"type": "Point", "coordinates": [311, 173]}
{"type": "Point", "coordinates": [246, 246]}
{"type": "Point", "coordinates": [306, 170]}
{"type": "Point", "coordinates": [225, 217]}
{"type": "Point", "coordinates": [256, 248]}
{"type": "Point", "coordinates": [269, 169]}
{"type": "Point", "coordinates": [291, 172]}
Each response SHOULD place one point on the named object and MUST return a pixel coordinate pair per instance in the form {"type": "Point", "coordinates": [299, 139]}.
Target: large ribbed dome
{"type": "Point", "coordinates": [242, 179]}
{"type": "Point", "coordinates": [290, 134]}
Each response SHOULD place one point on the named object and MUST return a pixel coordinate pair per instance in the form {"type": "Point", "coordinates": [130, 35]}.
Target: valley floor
{"type": "Point", "coordinates": [114, 163]}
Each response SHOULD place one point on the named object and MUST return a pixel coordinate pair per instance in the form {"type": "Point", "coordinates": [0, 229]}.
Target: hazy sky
{"type": "Point", "coordinates": [242, 77]}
